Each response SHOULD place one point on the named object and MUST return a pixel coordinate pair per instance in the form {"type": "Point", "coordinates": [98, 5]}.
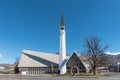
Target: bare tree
{"type": "Point", "coordinates": [94, 52]}
{"type": "Point", "coordinates": [103, 60]}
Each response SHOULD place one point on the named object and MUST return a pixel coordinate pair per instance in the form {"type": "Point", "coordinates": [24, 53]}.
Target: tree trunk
{"type": "Point", "coordinates": [94, 70]}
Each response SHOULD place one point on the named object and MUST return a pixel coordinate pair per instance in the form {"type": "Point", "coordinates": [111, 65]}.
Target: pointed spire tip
{"type": "Point", "coordinates": [62, 19]}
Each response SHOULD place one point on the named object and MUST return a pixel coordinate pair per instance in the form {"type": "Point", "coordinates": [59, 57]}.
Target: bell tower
{"type": "Point", "coordinates": [62, 53]}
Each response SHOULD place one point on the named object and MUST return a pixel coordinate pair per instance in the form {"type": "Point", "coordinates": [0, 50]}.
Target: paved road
{"type": "Point", "coordinates": [109, 76]}
{"type": "Point", "coordinates": [117, 74]}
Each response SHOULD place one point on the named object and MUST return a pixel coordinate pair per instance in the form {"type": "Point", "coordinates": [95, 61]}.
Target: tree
{"type": "Point", "coordinates": [94, 52]}
{"type": "Point", "coordinates": [16, 69]}
{"type": "Point", "coordinates": [52, 69]}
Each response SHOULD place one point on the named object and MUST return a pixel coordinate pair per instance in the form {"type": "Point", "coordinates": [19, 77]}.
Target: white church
{"type": "Point", "coordinates": [34, 62]}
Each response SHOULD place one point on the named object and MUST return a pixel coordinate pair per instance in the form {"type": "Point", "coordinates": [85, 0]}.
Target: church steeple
{"type": "Point", "coordinates": [62, 53]}
{"type": "Point", "coordinates": [62, 21]}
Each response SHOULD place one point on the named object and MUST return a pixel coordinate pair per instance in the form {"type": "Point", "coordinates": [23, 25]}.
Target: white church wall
{"type": "Point", "coordinates": [23, 71]}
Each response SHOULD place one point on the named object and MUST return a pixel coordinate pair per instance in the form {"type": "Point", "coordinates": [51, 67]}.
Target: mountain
{"type": "Point", "coordinates": [113, 59]}
{"type": "Point", "coordinates": [7, 66]}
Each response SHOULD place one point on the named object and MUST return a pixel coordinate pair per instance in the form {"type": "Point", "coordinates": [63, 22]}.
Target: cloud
{"type": "Point", "coordinates": [112, 53]}
{"type": "Point", "coordinates": [0, 55]}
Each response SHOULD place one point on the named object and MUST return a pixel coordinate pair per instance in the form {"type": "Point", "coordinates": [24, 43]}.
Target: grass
{"type": "Point", "coordinates": [43, 75]}
{"type": "Point", "coordinates": [91, 74]}
{"type": "Point", "coordinates": [83, 74]}
{"type": "Point", "coordinates": [68, 74]}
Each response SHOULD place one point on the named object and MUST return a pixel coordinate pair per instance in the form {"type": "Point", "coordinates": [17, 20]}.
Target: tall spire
{"type": "Point", "coordinates": [62, 53]}
{"type": "Point", "coordinates": [62, 21]}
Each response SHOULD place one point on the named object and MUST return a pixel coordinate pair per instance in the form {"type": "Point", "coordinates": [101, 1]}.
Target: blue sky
{"type": "Point", "coordinates": [34, 25]}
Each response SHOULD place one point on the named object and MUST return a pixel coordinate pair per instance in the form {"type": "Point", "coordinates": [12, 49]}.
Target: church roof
{"type": "Point", "coordinates": [38, 59]}
{"type": "Point", "coordinates": [85, 62]}
{"type": "Point", "coordinates": [82, 59]}
{"type": "Point", "coordinates": [41, 59]}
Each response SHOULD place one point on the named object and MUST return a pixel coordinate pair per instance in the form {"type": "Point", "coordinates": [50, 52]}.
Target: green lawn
{"type": "Point", "coordinates": [91, 74]}
{"type": "Point", "coordinates": [67, 74]}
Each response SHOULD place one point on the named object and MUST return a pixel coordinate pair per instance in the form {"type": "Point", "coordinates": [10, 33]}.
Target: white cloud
{"type": "Point", "coordinates": [112, 53]}
{"type": "Point", "coordinates": [0, 55]}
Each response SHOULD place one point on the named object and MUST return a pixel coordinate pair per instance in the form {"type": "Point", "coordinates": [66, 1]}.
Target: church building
{"type": "Point", "coordinates": [34, 62]}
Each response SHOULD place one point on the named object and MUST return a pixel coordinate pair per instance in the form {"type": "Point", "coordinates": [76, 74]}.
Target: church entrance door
{"type": "Point", "coordinates": [74, 70]}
